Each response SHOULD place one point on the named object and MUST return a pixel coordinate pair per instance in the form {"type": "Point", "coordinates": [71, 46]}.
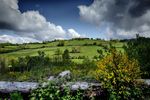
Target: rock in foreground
{"type": "Point", "coordinates": [7, 87]}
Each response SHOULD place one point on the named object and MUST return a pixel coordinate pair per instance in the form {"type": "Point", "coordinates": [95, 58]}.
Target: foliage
{"type": "Point", "coordinates": [55, 92]}
{"type": "Point", "coordinates": [101, 54]}
{"type": "Point", "coordinates": [58, 52]}
{"type": "Point", "coordinates": [75, 50]}
{"type": "Point", "coordinates": [50, 48]}
{"type": "Point", "coordinates": [27, 63]}
{"type": "Point", "coordinates": [36, 68]}
{"type": "Point", "coordinates": [16, 96]}
{"type": "Point", "coordinates": [88, 63]}
{"type": "Point", "coordinates": [118, 74]}
{"type": "Point", "coordinates": [66, 56]}
{"type": "Point", "coordinates": [87, 44]}
{"type": "Point", "coordinates": [57, 58]}
{"type": "Point", "coordinates": [61, 43]}
{"type": "Point", "coordinates": [3, 65]}
{"type": "Point", "coordinates": [37, 63]}
{"type": "Point", "coordinates": [94, 43]}
{"type": "Point", "coordinates": [140, 49]}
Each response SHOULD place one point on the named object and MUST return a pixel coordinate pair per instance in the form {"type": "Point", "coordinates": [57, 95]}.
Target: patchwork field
{"type": "Point", "coordinates": [87, 48]}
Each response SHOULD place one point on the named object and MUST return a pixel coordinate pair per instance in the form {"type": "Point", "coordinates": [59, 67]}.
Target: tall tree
{"type": "Point", "coordinates": [66, 56]}
{"type": "Point", "coordinates": [139, 49]}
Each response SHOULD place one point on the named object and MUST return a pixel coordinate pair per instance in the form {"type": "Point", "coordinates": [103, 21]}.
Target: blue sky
{"type": "Point", "coordinates": [45, 20]}
{"type": "Point", "coordinates": [64, 13]}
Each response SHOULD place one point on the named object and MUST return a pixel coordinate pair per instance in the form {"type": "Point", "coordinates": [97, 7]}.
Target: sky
{"type": "Point", "coordinates": [24, 21]}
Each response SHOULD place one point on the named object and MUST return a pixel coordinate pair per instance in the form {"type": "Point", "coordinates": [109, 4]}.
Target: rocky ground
{"type": "Point", "coordinates": [92, 89]}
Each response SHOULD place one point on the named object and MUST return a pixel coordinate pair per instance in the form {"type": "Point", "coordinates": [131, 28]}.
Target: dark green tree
{"type": "Point", "coordinates": [61, 43]}
{"type": "Point", "coordinates": [57, 56]}
{"type": "Point", "coordinates": [41, 54]}
{"type": "Point", "coordinates": [101, 55]}
{"type": "Point", "coordinates": [3, 65]}
{"type": "Point", "coordinates": [139, 49]}
{"type": "Point", "coordinates": [58, 52]}
{"type": "Point", "coordinates": [66, 56]}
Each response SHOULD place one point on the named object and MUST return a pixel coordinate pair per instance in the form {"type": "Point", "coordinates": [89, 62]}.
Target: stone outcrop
{"type": "Point", "coordinates": [78, 85]}
{"type": "Point", "coordinates": [51, 78]}
{"type": "Point", "coordinates": [65, 74]}
{"type": "Point", "coordinates": [7, 87]}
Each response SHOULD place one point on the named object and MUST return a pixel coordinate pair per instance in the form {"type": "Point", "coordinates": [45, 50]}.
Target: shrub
{"type": "Point", "coordinates": [87, 44]}
{"type": "Point", "coordinates": [3, 65]}
{"type": "Point", "coordinates": [81, 57]}
{"type": "Point", "coordinates": [96, 57]}
{"type": "Point", "coordinates": [88, 63]}
{"type": "Point", "coordinates": [24, 76]}
{"type": "Point", "coordinates": [57, 59]}
{"type": "Point", "coordinates": [61, 43]}
{"type": "Point", "coordinates": [139, 49]}
{"type": "Point", "coordinates": [75, 50]}
{"type": "Point", "coordinates": [58, 52]}
{"type": "Point", "coordinates": [16, 96]}
{"type": "Point", "coordinates": [100, 44]}
{"type": "Point", "coordinates": [94, 43]}
{"type": "Point", "coordinates": [23, 64]}
{"type": "Point", "coordinates": [55, 92]}
{"type": "Point", "coordinates": [66, 56]}
{"type": "Point", "coordinates": [118, 75]}
{"type": "Point", "coordinates": [101, 54]}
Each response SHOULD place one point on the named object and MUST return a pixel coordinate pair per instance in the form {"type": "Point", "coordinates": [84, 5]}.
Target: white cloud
{"type": "Point", "coordinates": [16, 39]}
{"type": "Point", "coordinates": [94, 13]}
{"type": "Point", "coordinates": [30, 24]}
{"type": "Point", "coordinates": [121, 17]}
{"type": "Point", "coordinates": [72, 33]}
{"type": "Point", "coordinates": [10, 3]}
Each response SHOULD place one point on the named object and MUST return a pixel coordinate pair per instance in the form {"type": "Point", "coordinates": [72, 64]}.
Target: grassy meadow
{"type": "Point", "coordinates": [86, 48]}
{"type": "Point", "coordinates": [81, 60]}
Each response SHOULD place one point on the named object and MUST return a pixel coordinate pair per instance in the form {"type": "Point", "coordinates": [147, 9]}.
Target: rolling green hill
{"type": "Point", "coordinates": [15, 59]}
{"type": "Point", "coordinates": [87, 48]}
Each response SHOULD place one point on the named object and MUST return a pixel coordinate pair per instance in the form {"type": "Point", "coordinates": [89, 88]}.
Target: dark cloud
{"type": "Point", "coordinates": [124, 18]}
{"type": "Point", "coordinates": [4, 25]}
{"type": "Point", "coordinates": [9, 14]}
{"type": "Point", "coordinates": [139, 8]}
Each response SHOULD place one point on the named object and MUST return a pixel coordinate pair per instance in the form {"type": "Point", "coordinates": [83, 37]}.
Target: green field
{"type": "Point", "coordinates": [86, 48]}
{"type": "Point", "coordinates": [82, 63]}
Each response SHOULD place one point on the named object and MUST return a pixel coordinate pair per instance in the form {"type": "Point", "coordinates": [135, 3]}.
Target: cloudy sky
{"type": "Point", "coordinates": [44, 20]}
